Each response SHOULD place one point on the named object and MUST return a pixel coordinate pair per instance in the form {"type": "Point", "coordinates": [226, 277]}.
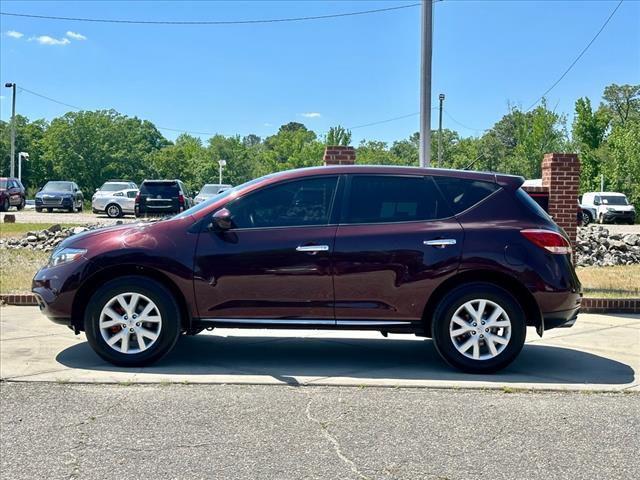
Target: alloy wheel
{"type": "Point", "coordinates": [480, 329]}
{"type": "Point", "coordinates": [130, 323]}
{"type": "Point", "coordinates": [113, 211]}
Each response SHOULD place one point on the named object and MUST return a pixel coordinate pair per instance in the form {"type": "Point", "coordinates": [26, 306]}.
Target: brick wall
{"type": "Point", "coordinates": [339, 155]}
{"type": "Point", "coordinates": [561, 176]}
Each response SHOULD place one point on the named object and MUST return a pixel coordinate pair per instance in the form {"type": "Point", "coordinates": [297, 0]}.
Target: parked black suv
{"type": "Point", "coordinates": [162, 197]}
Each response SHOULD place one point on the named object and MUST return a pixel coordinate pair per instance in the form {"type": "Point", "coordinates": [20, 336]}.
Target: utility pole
{"type": "Point", "coordinates": [13, 129]}
{"type": "Point", "coordinates": [441, 97]}
{"type": "Point", "coordinates": [425, 83]}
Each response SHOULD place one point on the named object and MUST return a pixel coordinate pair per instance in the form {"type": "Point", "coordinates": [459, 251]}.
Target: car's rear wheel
{"type": "Point", "coordinates": [114, 211]}
{"type": "Point", "coordinates": [21, 205]}
{"type": "Point", "coordinates": [132, 321]}
{"type": "Point", "coordinates": [49, 210]}
{"type": "Point", "coordinates": [586, 219]}
{"type": "Point", "coordinates": [5, 205]}
{"type": "Point", "coordinates": [479, 328]}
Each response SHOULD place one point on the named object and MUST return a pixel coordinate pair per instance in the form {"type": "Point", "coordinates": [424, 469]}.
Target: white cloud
{"type": "Point", "coordinates": [14, 34]}
{"type": "Point", "coordinates": [311, 115]}
{"type": "Point", "coordinates": [76, 36]}
{"type": "Point", "coordinates": [47, 40]}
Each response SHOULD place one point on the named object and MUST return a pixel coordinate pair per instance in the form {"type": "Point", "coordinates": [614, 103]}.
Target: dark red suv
{"type": "Point", "coordinates": [466, 258]}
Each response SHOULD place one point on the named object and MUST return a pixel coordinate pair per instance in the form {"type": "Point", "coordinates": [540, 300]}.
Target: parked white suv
{"type": "Point", "coordinates": [610, 207]}
{"type": "Point", "coordinates": [99, 199]}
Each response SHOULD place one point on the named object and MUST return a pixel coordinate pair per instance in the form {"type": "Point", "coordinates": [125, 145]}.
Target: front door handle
{"type": "Point", "coordinates": [440, 242]}
{"type": "Point", "coordinates": [312, 248]}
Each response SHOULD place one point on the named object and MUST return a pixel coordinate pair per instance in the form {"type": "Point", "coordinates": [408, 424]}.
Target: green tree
{"type": "Point", "coordinates": [623, 102]}
{"type": "Point", "coordinates": [339, 135]}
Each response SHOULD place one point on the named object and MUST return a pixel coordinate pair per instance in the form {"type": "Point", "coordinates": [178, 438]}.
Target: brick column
{"type": "Point", "coordinates": [561, 175]}
{"type": "Point", "coordinates": [339, 155]}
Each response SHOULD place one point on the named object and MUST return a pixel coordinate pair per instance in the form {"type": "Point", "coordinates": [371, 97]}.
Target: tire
{"type": "Point", "coordinates": [49, 210]}
{"type": "Point", "coordinates": [21, 205]}
{"type": "Point", "coordinates": [38, 209]}
{"type": "Point", "coordinates": [451, 346]}
{"type": "Point", "coordinates": [113, 210]}
{"type": "Point", "coordinates": [80, 206]}
{"type": "Point", "coordinates": [586, 219]}
{"type": "Point", "coordinates": [5, 205]}
{"type": "Point", "coordinates": [164, 307]}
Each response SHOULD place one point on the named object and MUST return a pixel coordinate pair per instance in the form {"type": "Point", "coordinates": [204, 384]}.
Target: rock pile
{"type": "Point", "coordinates": [47, 239]}
{"type": "Point", "coordinates": [595, 246]}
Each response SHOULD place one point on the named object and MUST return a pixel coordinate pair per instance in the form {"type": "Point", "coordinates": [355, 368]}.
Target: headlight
{"type": "Point", "coordinates": [611, 209]}
{"type": "Point", "coordinates": [65, 255]}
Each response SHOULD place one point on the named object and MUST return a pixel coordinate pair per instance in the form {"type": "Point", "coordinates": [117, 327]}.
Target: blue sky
{"type": "Point", "coordinates": [349, 71]}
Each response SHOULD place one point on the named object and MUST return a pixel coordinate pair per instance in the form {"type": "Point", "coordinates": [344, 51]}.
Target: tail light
{"type": "Point", "coordinates": [137, 200]}
{"type": "Point", "coordinates": [549, 240]}
{"type": "Point", "coordinates": [181, 199]}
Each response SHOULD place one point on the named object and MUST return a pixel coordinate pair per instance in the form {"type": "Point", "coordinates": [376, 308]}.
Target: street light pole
{"type": "Point", "coordinates": [13, 129]}
{"type": "Point", "coordinates": [221, 163]}
{"type": "Point", "coordinates": [441, 97]}
{"type": "Point", "coordinates": [425, 83]}
{"type": "Point", "coordinates": [21, 156]}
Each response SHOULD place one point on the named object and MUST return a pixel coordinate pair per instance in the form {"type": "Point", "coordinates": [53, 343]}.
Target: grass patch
{"type": "Point", "coordinates": [18, 229]}
{"type": "Point", "coordinates": [610, 282]}
{"type": "Point", "coordinates": [17, 268]}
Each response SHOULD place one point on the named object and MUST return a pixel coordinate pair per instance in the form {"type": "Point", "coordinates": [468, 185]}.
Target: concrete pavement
{"type": "Point", "coordinates": [601, 352]}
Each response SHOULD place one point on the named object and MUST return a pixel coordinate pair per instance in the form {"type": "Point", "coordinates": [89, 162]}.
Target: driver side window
{"type": "Point", "coordinates": [291, 204]}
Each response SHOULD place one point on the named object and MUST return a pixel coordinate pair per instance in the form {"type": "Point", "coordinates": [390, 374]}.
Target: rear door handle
{"type": "Point", "coordinates": [440, 242]}
{"type": "Point", "coordinates": [312, 248]}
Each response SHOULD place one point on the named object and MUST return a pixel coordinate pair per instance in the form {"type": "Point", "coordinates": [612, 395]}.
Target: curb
{"type": "Point", "coordinates": [589, 305]}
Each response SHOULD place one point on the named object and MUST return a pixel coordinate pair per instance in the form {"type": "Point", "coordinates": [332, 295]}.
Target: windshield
{"type": "Point", "coordinates": [219, 196]}
{"type": "Point", "coordinates": [57, 187]}
{"type": "Point", "coordinates": [114, 187]}
{"type": "Point", "coordinates": [212, 189]}
{"type": "Point", "coordinates": [614, 200]}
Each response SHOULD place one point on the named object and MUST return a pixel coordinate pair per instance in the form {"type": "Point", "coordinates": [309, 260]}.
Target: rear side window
{"type": "Point", "coordinates": [463, 193]}
{"type": "Point", "coordinates": [531, 204]}
{"type": "Point", "coordinates": [164, 189]}
{"type": "Point", "coordinates": [385, 199]}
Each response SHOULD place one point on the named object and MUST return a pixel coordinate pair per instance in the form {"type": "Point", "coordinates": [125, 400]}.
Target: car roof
{"type": "Point", "coordinates": [513, 181]}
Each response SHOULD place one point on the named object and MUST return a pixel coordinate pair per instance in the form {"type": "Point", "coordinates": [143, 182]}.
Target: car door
{"type": "Point", "coordinates": [14, 192]}
{"type": "Point", "coordinates": [274, 264]}
{"type": "Point", "coordinates": [395, 243]}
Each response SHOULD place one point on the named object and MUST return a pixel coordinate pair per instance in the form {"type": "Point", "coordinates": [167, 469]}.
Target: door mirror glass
{"type": "Point", "coordinates": [222, 219]}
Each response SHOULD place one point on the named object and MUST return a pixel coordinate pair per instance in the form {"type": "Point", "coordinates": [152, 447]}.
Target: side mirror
{"type": "Point", "coordinates": [222, 219]}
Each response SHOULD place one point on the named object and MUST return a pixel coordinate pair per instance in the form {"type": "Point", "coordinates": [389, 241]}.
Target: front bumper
{"type": "Point", "coordinates": [55, 289]}
{"type": "Point", "coordinates": [617, 216]}
{"type": "Point", "coordinates": [65, 202]}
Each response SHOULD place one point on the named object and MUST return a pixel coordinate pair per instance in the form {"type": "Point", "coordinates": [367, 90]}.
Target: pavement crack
{"type": "Point", "coordinates": [334, 442]}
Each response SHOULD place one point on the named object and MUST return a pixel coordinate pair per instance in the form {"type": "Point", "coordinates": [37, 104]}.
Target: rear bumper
{"type": "Point", "coordinates": [562, 319]}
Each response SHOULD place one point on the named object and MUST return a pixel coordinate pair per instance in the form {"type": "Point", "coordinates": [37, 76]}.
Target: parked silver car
{"type": "Point", "coordinates": [116, 204]}
{"type": "Point", "coordinates": [209, 190]}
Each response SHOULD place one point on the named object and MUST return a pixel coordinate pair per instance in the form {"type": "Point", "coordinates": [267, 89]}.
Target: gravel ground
{"type": "Point", "coordinates": [621, 229]}
{"type": "Point", "coordinates": [248, 432]}
{"type": "Point", "coordinates": [31, 216]}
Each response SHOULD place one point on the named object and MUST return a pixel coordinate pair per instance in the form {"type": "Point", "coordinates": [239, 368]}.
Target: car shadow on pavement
{"type": "Point", "coordinates": [288, 358]}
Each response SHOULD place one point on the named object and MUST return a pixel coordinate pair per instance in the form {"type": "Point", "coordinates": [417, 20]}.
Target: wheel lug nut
{"type": "Point", "coordinates": [473, 333]}
{"type": "Point", "coordinates": [124, 325]}
{"type": "Point", "coordinates": [475, 324]}
{"type": "Point", "coordinates": [135, 316]}
{"type": "Point", "coordinates": [482, 323]}
{"type": "Point", "coordinates": [131, 329]}
{"type": "Point", "coordinates": [486, 329]}
{"type": "Point", "coordinates": [481, 336]}
{"type": "Point", "coordinates": [125, 317]}
{"type": "Point", "coordinates": [138, 324]}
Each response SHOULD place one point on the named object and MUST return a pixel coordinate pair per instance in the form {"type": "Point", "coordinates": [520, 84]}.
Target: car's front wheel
{"type": "Point", "coordinates": [5, 205]}
{"type": "Point", "coordinates": [132, 321]}
{"type": "Point", "coordinates": [114, 211]}
{"type": "Point", "coordinates": [479, 328]}
{"type": "Point", "coordinates": [586, 219]}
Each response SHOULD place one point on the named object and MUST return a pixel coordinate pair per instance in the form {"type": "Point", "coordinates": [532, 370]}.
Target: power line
{"type": "Point", "coordinates": [210, 22]}
{"type": "Point", "coordinates": [393, 119]}
{"type": "Point", "coordinates": [22, 89]}
{"type": "Point", "coordinates": [462, 124]}
{"type": "Point", "coordinates": [584, 50]}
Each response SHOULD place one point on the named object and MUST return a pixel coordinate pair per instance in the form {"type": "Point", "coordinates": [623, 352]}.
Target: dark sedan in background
{"type": "Point", "coordinates": [62, 195]}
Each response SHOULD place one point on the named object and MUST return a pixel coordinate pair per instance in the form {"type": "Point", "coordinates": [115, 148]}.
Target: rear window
{"type": "Point", "coordinates": [531, 204]}
{"type": "Point", "coordinates": [164, 189]}
{"type": "Point", "coordinates": [464, 193]}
